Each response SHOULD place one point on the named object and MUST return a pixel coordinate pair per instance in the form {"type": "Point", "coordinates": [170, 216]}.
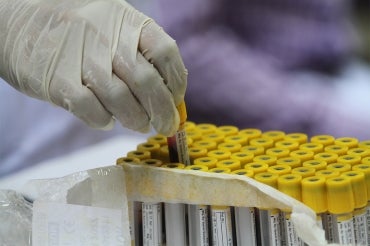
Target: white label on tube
{"type": "Point", "coordinates": [291, 235]}
{"type": "Point", "coordinates": [359, 224]}
{"type": "Point", "coordinates": [68, 224]}
{"type": "Point", "coordinates": [345, 232]}
{"type": "Point", "coordinates": [221, 227]}
{"type": "Point", "coordinates": [152, 224]}
{"type": "Point", "coordinates": [203, 224]}
{"type": "Point", "coordinates": [245, 226]}
{"type": "Point", "coordinates": [368, 222]}
{"type": "Point", "coordinates": [275, 228]}
{"type": "Point", "coordinates": [182, 147]}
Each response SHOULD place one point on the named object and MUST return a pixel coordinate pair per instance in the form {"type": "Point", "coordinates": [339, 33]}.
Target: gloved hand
{"type": "Point", "coordinates": [98, 59]}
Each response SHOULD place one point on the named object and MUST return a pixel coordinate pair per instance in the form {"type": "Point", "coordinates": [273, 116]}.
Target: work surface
{"type": "Point", "coordinates": [99, 155]}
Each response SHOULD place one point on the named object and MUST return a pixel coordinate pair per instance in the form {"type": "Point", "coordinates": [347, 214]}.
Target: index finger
{"type": "Point", "coordinates": [162, 51]}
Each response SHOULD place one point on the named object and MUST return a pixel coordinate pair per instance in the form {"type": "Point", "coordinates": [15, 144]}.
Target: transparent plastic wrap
{"type": "Point", "coordinates": [16, 219]}
{"type": "Point", "coordinates": [113, 187]}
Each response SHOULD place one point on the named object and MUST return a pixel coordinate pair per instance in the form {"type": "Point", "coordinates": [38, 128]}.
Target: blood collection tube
{"type": "Point", "coordinates": [340, 167]}
{"type": "Point", "coordinates": [152, 214]}
{"type": "Point", "coordinates": [219, 154]}
{"type": "Point", "coordinates": [221, 220]}
{"type": "Point", "coordinates": [314, 196]}
{"type": "Point", "coordinates": [175, 217]}
{"type": "Point", "coordinates": [209, 145]}
{"type": "Point", "coordinates": [245, 222]}
{"type": "Point", "coordinates": [268, 220]}
{"type": "Point", "coordinates": [340, 206]}
{"type": "Point", "coordinates": [198, 218]}
{"type": "Point", "coordinates": [299, 137]}
{"type": "Point", "coordinates": [364, 144]}
{"type": "Point", "coordinates": [365, 168]}
{"type": "Point", "coordinates": [130, 160]}
{"type": "Point", "coordinates": [360, 201]}
{"type": "Point", "coordinates": [327, 173]}
{"type": "Point", "coordinates": [289, 184]}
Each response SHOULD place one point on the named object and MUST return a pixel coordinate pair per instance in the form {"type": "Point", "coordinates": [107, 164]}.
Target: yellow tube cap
{"type": "Point", "coordinates": [152, 162]}
{"type": "Point", "coordinates": [349, 159]}
{"type": "Point", "coordinates": [347, 141]}
{"type": "Point", "coordinates": [214, 136]}
{"type": "Point", "coordinates": [323, 139]}
{"type": "Point", "coordinates": [246, 172]}
{"type": "Point", "coordinates": [287, 144]}
{"type": "Point", "coordinates": [195, 153]}
{"type": "Point", "coordinates": [123, 160]}
{"type": "Point", "coordinates": [304, 171]}
{"type": "Point", "coordinates": [327, 173]}
{"type": "Point", "coordinates": [291, 161]}
{"type": "Point", "coordinates": [229, 163]}
{"type": "Point", "coordinates": [360, 151]}
{"type": "Point", "coordinates": [181, 108]}
{"type": "Point", "coordinates": [328, 157]}
{"type": "Point", "coordinates": [205, 128]}
{"type": "Point", "coordinates": [232, 147]}
{"type": "Point", "coordinates": [303, 155]}
{"type": "Point", "coordinates": [365, 168]}
{"type": "Point", "coordinates": [279, 169]}
{"type": "Point", "coordinates": [317, 164]}
{"type": "Point", "coordinates": [262, 142]}
{"type": "Point", "coordinates": [243, 156]}
{"type": "Point", "coordinates": [339, 195]}
{"type": "Point", "coordinates": [141, 155]}
{"type": "Point", "coordinates": [250, 132]}
{"type": "Point", "coordinates": [209, 145]}
{"type": "Point", "coordinates": [159, 139]}
{"type": "Point", "coordinates": [278, 152]}
{"type": "Point", "coordinates": [228, 130]}
{"type": "Point", "coordinates": [240, 139]}
{"type": "Point", "coordinates": [256, 150]}
{"type": "Point", "coordinates": [274, 135]}
{"type": "Point", "coordinates": [189, 125]}
{"type": "Point", "coordinates": [364, 144]}
{"type": "Point", "coordinates": [267, 178]}
{"type": "Point", "coordinates": [257, 167]}
{"type": "Point", "coordinates": [299, 137]}
{"type": "Point", "coordinates": [219, 154]}
{"type": "Point", "coordinates": [220, 170]}
{"type": "Point", "coordinates": [358, 187]}
{"type": "Point", "coordinates": [174, 165]}
{"type": "Point", "coordinates": [268, 159]}
{"type": "Point", "coordinates": [314, 147]}
{"type": "Point", "coordinates": [340, 167]}
{"type": "Point", "coordinates": [197, 168]}
{"type": "Point", "coordinates": [290, 184]}
{"type": "Point", "coordinates": [209, 162]}
{"type": "Point", "coordinates": [314, 193]}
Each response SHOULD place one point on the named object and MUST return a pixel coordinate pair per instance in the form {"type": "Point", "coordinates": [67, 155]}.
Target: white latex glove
{"type": "Point", "coordinates": [99, 59]}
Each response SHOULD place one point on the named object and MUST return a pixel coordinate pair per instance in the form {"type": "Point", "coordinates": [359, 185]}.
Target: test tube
{"type": "Point", "coordinates": [221, 220]}
{"type": "Point", "coordinates": [256, 167]}
{"type": "Point", "coordinates": [262, 142]}
{"type": "Point", "coordinates": [245, 222]}
{"type": "Point", "coordinates": [365, 168]}
{"type": "Point", "coordinates": [240, 139]}
{"type": "Point", "coordinates": [314, 196]}
{"type": "Point", "coordinates": [152, 214]}
{"type": "Point", "coordinates": [159, 139]}
{"type": "Point", "coordinates": [340, 206]}
{"type": "Point", "coordinates": [175, 217]}
{"type": "Point", "coordinates": [293, 162]}
{"type": "Point", "coordinates": [268, 159]}
{"type": "Point", "coordinates": [219, 154]}
{"type": "Point", "coordinates": [275, 135]}
{"type": "Point", "coordinates": [360, 201]}
{"type": "Point", "coordinates": [198, 218]}
{"type": "Point", "coordinates": [214, 136]}
{"type": "Point", "coordinates": [317, 164]}
{"type": "Point", "coordinates": [278, 152]}
{"type": "Point", "coordinates": [243, 156]}
{"type": "Point", "coordinates": [287, 144]}
{"type": "Point", "coordinates": [347, 141]}
{"type": "Point", "coordinates": [232, 147]}
{"type": "Point", "coordinates": [229, 163]}
{"type": "Point", "coordinates": [314, 147]}
{"type": "Point", "coordinates": [304, 171]}
{"type": "Point", "coordinates": [153, 148]}
{"type": "Point", "coordinates": [209, 145]}
{"type": "Point", "coordinates": [206, 128]}
{"type": "Point", "coordinates": [251, 133]}
{"type": "Point", "coordinates": [362, 152]}
{"type": "Point", "coordinates": [195, 152]}
{"type": "Point", "coordinates": [349, 159]}
{"type": "Point", "coordinates": [256, 150]}
{"type": "Point", "coordinates": [328, 157]}
{"type": "Point", "coordinates": [340, 167]}
{"type": "Point", "coordinates": [337, 149]}
{"type": "Point", "coordinates": [290, 184]}
{"type": "Point", "coordinates": [279, 169]}
{"type": "Point", "coordinates": [303, 155]}
{"type": "Point", "coordinates": [268, 220]}
{"type": "Point", "coordinates": [141, 155]}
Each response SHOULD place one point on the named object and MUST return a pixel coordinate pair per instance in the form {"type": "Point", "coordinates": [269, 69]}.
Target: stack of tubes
{"type": "Point", "coordinates": [329, 175]}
